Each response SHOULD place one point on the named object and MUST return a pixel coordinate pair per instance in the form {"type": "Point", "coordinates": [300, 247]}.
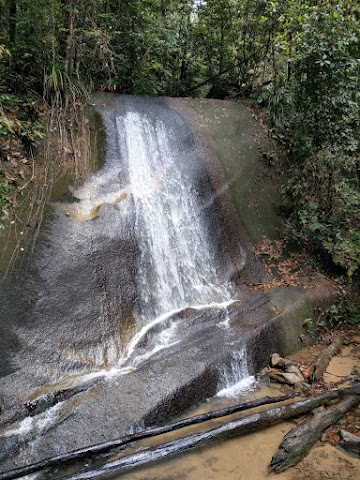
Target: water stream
{"type": "Point", "coordinates": [130, 297]}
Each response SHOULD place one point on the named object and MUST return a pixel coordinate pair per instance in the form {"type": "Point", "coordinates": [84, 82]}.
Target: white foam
{"type": "Point", "coordinates": [235, 374]}
{"type": "Point", "coordinates": [224, 305]}
{"type": "Point", "coordinates": [166, 338]}
{"type": "Point", "coordinates": [37, 423]}
{"type": "Point", "coordinates": [238, 388]}
{"type": "Point", "coordinates": [23, 428]}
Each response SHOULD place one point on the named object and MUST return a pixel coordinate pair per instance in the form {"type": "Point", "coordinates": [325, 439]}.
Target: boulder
{"type": "Point", "coordinates": [285, 377]}
{"type": "Point", "coordinates": [276, 361]}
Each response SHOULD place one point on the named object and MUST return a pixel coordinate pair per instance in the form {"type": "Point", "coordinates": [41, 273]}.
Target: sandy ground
{"type": "Point", "coordinates": [247, 457]}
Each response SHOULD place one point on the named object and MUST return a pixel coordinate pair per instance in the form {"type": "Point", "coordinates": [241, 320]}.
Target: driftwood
{"type": "Point", "coordinates": [80, 454]}
{"type": "Point", "coordinates": [319, 367]}
{"type": "Point", "coordinates": [296, 444]}
{"type": "Point", "coordinates": [235, 428]}
{"type": "Point", "coordinates": [350, 443]}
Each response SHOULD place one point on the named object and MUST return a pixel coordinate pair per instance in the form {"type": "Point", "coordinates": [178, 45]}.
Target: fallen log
{"type": "Point", "coordinates": [86, 452]}
{"type": "Point", "coordinates": [297, 443]}
{"type": "Point", "coordinates": [319, 367]}
{"type": "Point", "coordinates": [234, 428]}
{"type": "Point", "coordinates": [350, 443]}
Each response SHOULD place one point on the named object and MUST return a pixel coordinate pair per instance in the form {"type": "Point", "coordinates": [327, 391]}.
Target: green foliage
{"type": "Point", "coordinates": [4, 53]}
{"type": "Point", "coordinates": [20, 131]}
{"type": "Point", "coordinates": [343, 312]}
{"type": "Point", "coordinates": [314, 106]}
{"type": "Point", "coordinates": [309, 327]}
{"type": "Point", "coordinates": [324, 196]}
{"type": "Point", "coordinates": [18, 119]}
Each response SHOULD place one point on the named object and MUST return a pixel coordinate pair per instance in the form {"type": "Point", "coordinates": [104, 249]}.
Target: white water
{"type": "Point", "coordinates": [236, 377]}
{"type": "Point", "coordinates": [176, 264]}
{"type": "Point", "coordinates": [167, 337]}
{"type": "Point", "coordinates": [36, 424]}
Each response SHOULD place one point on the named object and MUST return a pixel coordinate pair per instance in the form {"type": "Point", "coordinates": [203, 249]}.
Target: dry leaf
{"type": "Point", "coordinates": [333, 438]}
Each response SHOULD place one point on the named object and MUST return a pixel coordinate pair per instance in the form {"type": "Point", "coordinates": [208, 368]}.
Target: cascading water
{"type": "Point", "coordinates": [131, 300]}
{"type": "Point", "coordinates": [176, 267]}
{"type": "Point", "coordinates": [235, 374]}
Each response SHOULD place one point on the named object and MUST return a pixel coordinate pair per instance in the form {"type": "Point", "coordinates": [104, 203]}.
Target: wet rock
{"type": "Point", "coordinates": [276, 361]}
{"type": "Point", "coordinates": [44, 402]}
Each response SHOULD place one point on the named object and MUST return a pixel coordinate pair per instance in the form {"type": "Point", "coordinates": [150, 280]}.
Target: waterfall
{"type": "Point", "coordinates": [132, 307]}
{"type": "Point", "coordinates": [235, 375]}
{"type": "Point", "coordinates": [176, 263]}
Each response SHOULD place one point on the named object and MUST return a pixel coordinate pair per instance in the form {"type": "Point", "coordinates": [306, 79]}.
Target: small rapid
{"type": "Point", "coordinates": [236, 378]}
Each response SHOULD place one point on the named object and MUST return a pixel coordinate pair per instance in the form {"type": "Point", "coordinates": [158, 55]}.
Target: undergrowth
{"type": "Point", "coordinates": [343, 311]}
{"type": "Point", "coordinates": [21, 130]}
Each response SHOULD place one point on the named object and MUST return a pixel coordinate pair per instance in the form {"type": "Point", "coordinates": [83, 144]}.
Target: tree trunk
{"type": "Point", "coordinates": [238, 427]}
{"type": "Point", "coordinates": [298, 442]}
{"type": "Point", "coordinates": [319, 367]}
{"type": "Point", "coordinates": [210, 79]}
{"type": "Point", "coordinates": [12, 21]}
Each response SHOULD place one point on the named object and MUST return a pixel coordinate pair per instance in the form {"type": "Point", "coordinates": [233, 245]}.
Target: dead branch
{"type": "Point", "coordinates": [319, 367]}
{"type": "Point", "coordinates": [297, 443]}
{"type": "Point", "coordinates": [86, 452]}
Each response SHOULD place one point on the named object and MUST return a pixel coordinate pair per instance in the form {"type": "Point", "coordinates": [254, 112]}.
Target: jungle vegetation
{"type": "Point", "coordinates": [296, 60]}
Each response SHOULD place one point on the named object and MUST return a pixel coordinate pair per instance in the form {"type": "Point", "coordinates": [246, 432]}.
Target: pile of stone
{"type": "Point", "coordinates": [283, 370]}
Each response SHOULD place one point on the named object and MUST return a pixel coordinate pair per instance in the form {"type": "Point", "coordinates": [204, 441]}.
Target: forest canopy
{"type": "Point", "coordinates": [299, 61]}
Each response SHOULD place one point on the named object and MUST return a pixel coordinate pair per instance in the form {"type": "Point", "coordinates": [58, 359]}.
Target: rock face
{"type": "Point", "coordinates": [70, 315]}
{"type": "Point", "coordinates": [74, 380]}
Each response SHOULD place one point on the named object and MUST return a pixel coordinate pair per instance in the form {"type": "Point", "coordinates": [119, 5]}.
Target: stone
{"type": "Point", "coordinates": [291, 368]}
{"type": "Point", "coordinates": [276, 361]}
{"type": "Point", "coordinates": [283, 377]}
